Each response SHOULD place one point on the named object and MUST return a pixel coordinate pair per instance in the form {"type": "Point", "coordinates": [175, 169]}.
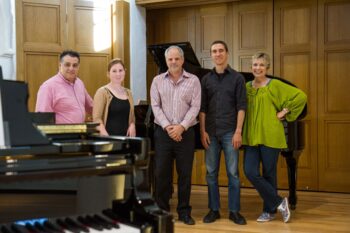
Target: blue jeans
{"type": "Point", "coordinates": [212, 161]}
{"type": "Point", "coordinates": [265, 184]}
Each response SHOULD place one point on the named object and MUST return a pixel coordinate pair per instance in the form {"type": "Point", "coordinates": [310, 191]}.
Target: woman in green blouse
{"type": "Point", "coordinates": [269, 102]}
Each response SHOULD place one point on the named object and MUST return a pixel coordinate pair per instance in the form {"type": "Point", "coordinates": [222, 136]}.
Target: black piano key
{"type": "Point", "coordinates": [88, 223]}
{"type": "Point", "coordinates": [94, 223]}
{"type": "Point", "coordinates": [5, 229]}
{"type": "Point", "coordinates": [76, 225]}
{"type": "Point", "coordinates": [105, 224]}
{"type": "Point", "coordinates": [110, 223]}
{"type": "Point", "coordinates": [40, 227]}
{"type": "Point", "coordinates": [64, 225]}
{"type": "Point", "coordinates": [52, 227]}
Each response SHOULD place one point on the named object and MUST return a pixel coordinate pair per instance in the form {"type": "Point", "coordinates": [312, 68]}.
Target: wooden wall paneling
{"type": "Point", "coordinates": [40, 34]}
{"type": "Point", "coordinates": [333, 109]}
{"type": "Point", "coordinates": [172, 25]}
{"type": "Point", "coordinates": [89, 27]}
{"type": "Point", "coordinates": [45, 29]}
{"type": "Point", "coordinates": [42, 26]}
{"type": "Point", "coordinates": [39, 67]}
{"type": "Point", "coordinates": [295, 50]}
{"type": "Point", "coordinates": [213, 22]}
{"type": "Point", "coordinates": [93, 71]}
{"type": "Point", "coordinates": [166, 26]}
{"type": "Point", "coordinates": [121, 35]}
{"type": "Point", "coordinates": [252, 31]}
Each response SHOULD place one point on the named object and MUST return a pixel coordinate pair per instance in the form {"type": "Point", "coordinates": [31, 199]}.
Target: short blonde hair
{"type": "Point", "coordinates": [264, 56]}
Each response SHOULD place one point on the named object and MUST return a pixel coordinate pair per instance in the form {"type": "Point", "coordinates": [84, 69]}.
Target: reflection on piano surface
{"type": "Point", "coordinates": [107, 221]}
{"type": "Point", "coordinates": [294, 131]}
{"type": "Point", "coordinates": [28, 154]}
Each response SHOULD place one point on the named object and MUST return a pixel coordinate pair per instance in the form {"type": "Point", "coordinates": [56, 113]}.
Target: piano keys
{"type": "Point", "coordinates": [106, 221]}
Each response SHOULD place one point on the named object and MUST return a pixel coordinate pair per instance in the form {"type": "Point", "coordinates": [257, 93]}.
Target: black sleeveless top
{"type": "Point", "coordinates": [118, 116]}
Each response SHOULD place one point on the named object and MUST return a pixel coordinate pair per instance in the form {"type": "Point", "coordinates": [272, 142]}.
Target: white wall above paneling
{"type": "Point", "coordinates": [7, 41]}
{"type": "Point", "coordinates": [138, 52]}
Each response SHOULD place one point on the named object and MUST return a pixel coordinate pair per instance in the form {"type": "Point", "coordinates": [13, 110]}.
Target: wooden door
{"type": "Point", "coordinates": [40, 29]}
{"type": "Point", "coordinates": [45, 28]}
{"type": "Point", "coordinates": [89, 32]}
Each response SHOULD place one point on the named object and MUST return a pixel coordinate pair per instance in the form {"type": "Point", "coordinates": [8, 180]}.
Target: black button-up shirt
{"type": "Point", "coordinates": [223, 95]}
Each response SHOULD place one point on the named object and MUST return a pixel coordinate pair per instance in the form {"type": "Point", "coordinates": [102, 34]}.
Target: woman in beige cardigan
{"type": "Point", "coordinates": [113, 104]}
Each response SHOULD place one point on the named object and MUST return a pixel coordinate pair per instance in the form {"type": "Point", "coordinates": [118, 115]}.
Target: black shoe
{"type": "Point", "coordinates": [237, 218]}
{"type": "Point", "coordinates": [211, 216]}
{"type": "Point", "coordinates": [187, 219]}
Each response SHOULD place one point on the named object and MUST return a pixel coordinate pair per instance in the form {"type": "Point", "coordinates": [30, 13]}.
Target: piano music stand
{"type": "Point", "coordinates": [16, 128]}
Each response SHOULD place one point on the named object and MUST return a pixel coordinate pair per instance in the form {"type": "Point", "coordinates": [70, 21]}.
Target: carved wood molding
{"type": "Point", "coordinates": [156, 4]}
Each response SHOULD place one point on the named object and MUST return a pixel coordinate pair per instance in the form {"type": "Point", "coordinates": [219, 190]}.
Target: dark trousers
{"type": "Point", "coordinates": [265, 184]}
{"type": "Point", "coordinates": [166, 150]}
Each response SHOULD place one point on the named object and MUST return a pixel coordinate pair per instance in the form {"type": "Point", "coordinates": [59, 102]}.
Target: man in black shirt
{"type": "Point", "coordinates": [221, 120]}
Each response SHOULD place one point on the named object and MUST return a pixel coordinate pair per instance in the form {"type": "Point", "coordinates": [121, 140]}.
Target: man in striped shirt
{"type": "Point", "coordinates": [175, 100]}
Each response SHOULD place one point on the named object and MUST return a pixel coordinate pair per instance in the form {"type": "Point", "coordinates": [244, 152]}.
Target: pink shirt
{"type": "Point", "coordinates": [176, 103]}
{"type": "Point", "coordinates": [69, 101]}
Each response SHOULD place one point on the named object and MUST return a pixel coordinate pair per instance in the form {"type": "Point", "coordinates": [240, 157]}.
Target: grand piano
{"type": "Point", "coordinates": [38, 152]}
{"type": "Point", "coordinates": [294, 131]}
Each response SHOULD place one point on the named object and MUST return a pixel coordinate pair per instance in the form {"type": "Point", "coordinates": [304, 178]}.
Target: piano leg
{"type": "Point", "coordinates": [139, 206]}
{"type": "Point", "coordinates": [292, 158]}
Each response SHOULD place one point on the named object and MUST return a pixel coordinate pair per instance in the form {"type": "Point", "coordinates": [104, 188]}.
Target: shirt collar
{"type": "Point", "coordinates": [65, 80]}
{"type": "Point", "coordinates": [184, 74]}
{"type": "Point", "coordinates": [227, 70]}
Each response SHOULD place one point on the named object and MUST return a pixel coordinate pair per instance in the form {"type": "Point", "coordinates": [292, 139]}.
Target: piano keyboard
{"type": "Point", "coordinates": [105, 222]}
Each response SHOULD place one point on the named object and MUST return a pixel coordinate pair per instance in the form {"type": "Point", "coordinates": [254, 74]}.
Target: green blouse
{"type": "Point", "coordinates": [261, 125]}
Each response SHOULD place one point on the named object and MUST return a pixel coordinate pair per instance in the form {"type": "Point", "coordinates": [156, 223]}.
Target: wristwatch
{"type": "Point", "coordinates": [285, 110]}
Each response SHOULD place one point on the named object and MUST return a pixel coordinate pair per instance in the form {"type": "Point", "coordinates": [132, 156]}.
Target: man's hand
{"type": "Point", "coordinates": [175, 132]}
{"type": "Point", "coordinates": [237, 140]}
{"type": "Point", "coordinates": [205, 139]}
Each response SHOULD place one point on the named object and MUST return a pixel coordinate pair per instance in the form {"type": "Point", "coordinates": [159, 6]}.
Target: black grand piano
{"type": "Point", "coordinates": [294, 131]}
{"type": "Point", "coordinates": [26, 153]}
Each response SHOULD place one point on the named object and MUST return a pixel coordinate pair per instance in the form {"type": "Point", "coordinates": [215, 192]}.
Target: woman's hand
{"type": "Point", "coordinates": [131, 130]}
{"type": "Point", "coordinates": [102, 129]}
{"type": "Point", "coordinates": [282, 114]}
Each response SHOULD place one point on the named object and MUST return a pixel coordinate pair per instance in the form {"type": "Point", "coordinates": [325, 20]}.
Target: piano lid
{"type": "Point", "coordinates": [191, 63]}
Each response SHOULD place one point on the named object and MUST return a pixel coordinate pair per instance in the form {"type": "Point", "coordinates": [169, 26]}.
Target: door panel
{"type": "Point", "coordinates": [333, 95]}
{"type": "Point", "coordinates": [45, 29]}
{"type": "Point", "coordinates": [294, 53]}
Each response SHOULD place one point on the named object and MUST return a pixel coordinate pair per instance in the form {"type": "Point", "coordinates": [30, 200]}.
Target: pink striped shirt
{"type": "Point", "coordinates": [69, 101]}
{"type": "Point", "coordinates": [176, 103]}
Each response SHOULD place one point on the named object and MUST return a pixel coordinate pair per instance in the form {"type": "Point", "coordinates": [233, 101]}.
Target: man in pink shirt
{"type": "Point", "coordinates": [175, 99]}
{"type": "Point", "coordinates": [65, 94]}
